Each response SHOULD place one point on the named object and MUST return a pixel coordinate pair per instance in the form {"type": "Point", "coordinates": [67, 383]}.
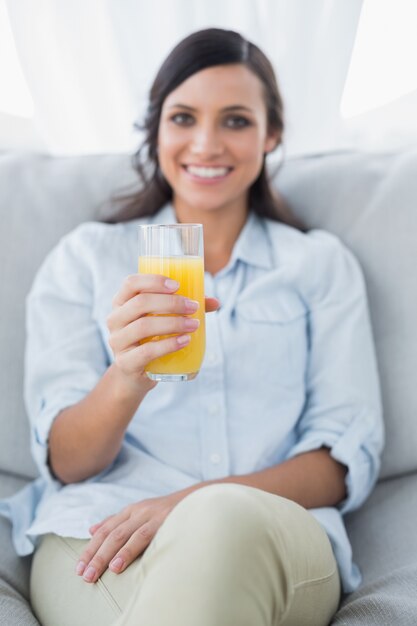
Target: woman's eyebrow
{"type": "Point", "coordinates": [178, 105]}
{"type": "Point", "coordinates": [232, 107]}
{"type": "Point", "coordinates": [235, 107]}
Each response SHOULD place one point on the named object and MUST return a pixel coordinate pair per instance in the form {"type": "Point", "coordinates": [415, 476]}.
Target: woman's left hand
{"type": "Point", "coordinates": [120, 539]}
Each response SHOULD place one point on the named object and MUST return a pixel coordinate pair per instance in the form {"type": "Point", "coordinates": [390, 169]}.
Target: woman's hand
{"type": "Point", "coordinates": [130, 323]}
{"type": "Point", "coordinates": [121, 538]}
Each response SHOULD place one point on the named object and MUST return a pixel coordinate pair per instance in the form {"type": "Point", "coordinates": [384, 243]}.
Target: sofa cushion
{"type": "Point", "coordinates": [383, 532]}
{"type": "Point", "coordinates": [369, 201]}
{"type": "Point", "coordinates": [392, 599]}
{"type": "Point", "coordinates": [384, 545]}
{"type": "Point", "coordinates": [41, 198]}
{"type": "Point", "coordinates": [14, 571]}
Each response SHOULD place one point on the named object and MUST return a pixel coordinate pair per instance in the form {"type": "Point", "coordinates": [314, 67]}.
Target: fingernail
{"type": "Point", "coordinates": [79, 570]}
{"type": "Point", "coordinates": [191, 305]}
{"type": "Point", "coordinates": [171, 284]}
{"type": "Point", "coordinates": [183, 339]}
{"type": "Point", "coordinates": [191, 323]}
{"type": "Point", "coordinates": [89, 574]}
{"type": "Point", "coordinates": [117, 563]}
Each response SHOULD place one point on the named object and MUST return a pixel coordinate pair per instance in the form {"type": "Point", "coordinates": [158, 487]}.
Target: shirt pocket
{"type": "Point", "coordinates": [282, 307]}
{"type": "Point", "coordinates": [274, 327]}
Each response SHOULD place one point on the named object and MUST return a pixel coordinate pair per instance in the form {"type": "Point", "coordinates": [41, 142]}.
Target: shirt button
{"type": "Point", "coordinates": [214, 409]}
{"type": "Point", "coordinates": [215, 458]}
{"type": "Point", "coordinates": [211, 358]}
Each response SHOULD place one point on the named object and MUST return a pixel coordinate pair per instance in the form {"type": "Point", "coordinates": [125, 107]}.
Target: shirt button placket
{"type": "Point", "coordinates": [214, 444]}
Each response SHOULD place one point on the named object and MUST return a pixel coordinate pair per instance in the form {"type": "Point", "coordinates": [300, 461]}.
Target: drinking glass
{"type": "Point", "coordinates": [176, 251]}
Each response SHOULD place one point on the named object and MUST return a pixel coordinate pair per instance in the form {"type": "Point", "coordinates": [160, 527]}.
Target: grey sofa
{"type": "Point", "coordinates": [370, 201]}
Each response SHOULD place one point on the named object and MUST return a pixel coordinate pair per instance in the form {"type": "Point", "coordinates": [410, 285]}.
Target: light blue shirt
{"type": "Point", "coordinates": [289, 367]}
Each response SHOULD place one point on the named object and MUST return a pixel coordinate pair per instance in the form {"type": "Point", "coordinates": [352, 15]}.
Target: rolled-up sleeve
{"type": "Point", "coordinates": [65, 354]}
{"type": "Point", "coordinates": [343, 404]}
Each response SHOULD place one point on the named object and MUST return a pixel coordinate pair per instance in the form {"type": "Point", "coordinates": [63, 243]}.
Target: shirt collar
{"type": "Point", "coordinates": [253, 246]}
{"type": "Point", "coordinates": [166, 215]}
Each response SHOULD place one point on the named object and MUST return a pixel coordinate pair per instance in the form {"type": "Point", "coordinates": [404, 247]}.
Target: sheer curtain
{"type": "Point", "coordinates": [16, 106]}
{"type": "Point", "coordinates": [90, 64]}
{"type": "Point", "coordinates": [380, 98]}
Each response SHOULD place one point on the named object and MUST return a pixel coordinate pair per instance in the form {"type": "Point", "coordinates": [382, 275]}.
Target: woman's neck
{"type": "Point", "coordinates": [221, 231]}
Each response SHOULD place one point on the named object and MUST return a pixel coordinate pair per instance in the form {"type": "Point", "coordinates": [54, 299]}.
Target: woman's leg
{"type": "Point", "coordinates": [61, 598]}
{"type": "Point", "coordinates": [227, 555]}
{"type": "Point", "coordinates": [230, 555]}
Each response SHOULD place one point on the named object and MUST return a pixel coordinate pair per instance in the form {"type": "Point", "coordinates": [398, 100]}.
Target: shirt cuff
{"type": "Point", "coordinates": [41, 428]}
{"type": "Point", "coordinates": [362, 461]}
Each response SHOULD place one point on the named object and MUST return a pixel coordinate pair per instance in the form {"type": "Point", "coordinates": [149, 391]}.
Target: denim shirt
{"type": "Point", "coordinates": [289, 367]}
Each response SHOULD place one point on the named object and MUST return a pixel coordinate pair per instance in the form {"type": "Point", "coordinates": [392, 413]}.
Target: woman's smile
{"type": "Point", "coordinates": [207, 174]}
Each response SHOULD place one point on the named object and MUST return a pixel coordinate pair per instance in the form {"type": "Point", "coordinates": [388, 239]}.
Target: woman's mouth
{"type": "Point", "coordinates": [206, 174]}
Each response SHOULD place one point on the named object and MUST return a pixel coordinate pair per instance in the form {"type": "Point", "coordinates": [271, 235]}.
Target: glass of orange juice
{"type": "Point", "coordinates": [176, 251]}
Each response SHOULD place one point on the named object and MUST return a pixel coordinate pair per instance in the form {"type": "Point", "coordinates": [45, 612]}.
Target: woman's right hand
{"type": "Point", "coordinates": [146, 307]}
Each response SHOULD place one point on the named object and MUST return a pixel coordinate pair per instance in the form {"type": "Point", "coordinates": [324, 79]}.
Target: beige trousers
{"type": "Point", "coordinates": [227, 555]}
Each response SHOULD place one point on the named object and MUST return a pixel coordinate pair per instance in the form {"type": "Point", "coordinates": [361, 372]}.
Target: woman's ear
{"type": "Point", "coordinates": [272, 141]}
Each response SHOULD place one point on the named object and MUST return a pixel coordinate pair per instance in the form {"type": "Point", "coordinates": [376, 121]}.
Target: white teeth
{"type": "Point", "coordinates": [207, 172]}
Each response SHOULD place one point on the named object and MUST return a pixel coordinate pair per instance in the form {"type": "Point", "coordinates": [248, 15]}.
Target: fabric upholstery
{"type": "Point", "coordinates": [14, 571]}
{"type": "Point", "coordinates": [390, 600]}
{"type": "Point", "coordinates": [384, 543]}
{"type": "Point", "coordinates": [383, 532]}
{"type": "Point", "coordinates": [41, 198]}
{"type": "Point", "coordinates": [369, 201]}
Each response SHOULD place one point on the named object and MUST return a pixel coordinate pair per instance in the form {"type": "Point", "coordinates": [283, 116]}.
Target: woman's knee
{"type": "Point", "coordinates": [224, 515]}
{"type": "Point", "coordinates": [242, 522]}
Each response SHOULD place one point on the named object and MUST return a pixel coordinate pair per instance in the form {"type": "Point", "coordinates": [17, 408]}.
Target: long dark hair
{"type": "Point", "coordinates": [203, 49]}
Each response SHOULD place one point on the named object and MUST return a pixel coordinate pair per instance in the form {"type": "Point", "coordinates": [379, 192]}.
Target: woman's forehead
{"type": "Point", "coordinates": [222, 86]}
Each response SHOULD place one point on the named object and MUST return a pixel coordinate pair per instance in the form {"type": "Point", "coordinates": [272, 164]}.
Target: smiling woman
{"type": "Point", "coordinates": [166, 502]}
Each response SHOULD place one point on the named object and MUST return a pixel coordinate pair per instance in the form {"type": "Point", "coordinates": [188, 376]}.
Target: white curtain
{"type": "Point", "coordinates": [380, 98]}
{"type": "Point", "coordinates": [89, 64]}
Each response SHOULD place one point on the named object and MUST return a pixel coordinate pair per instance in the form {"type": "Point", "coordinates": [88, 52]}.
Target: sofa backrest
{"type": "Point", "coordinates": [369, 201]}
{"type": "Point", "coordinates": [41, 199]}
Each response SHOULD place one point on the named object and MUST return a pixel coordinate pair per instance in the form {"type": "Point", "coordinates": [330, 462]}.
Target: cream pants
{"type": "Point", "coordinates": [227, 555]}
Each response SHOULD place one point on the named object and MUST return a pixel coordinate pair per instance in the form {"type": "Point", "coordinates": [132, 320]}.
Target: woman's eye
{"type": "Point", "coordinates": [182, 119]}
{"type": "Point", "coordinates": [237, 121]}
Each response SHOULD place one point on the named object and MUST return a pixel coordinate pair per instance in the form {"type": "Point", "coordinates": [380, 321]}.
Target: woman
{"type": "Point", "coordinates": [218, 501]}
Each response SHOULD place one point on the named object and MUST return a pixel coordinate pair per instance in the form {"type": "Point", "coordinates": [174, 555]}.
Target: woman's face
{"type": "Point", "coordinates": [212, 137]}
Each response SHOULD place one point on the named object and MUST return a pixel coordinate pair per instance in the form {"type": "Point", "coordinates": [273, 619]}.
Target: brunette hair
{"type": "Point", "coordinates": [200, 50]}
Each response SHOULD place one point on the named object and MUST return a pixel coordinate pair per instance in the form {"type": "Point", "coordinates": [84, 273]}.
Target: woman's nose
{"type": "Point", "coordinates": [207, 142]}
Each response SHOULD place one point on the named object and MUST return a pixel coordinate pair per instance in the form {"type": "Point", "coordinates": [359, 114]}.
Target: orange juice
{"type": "Point", "coordinates": [189, 272]}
